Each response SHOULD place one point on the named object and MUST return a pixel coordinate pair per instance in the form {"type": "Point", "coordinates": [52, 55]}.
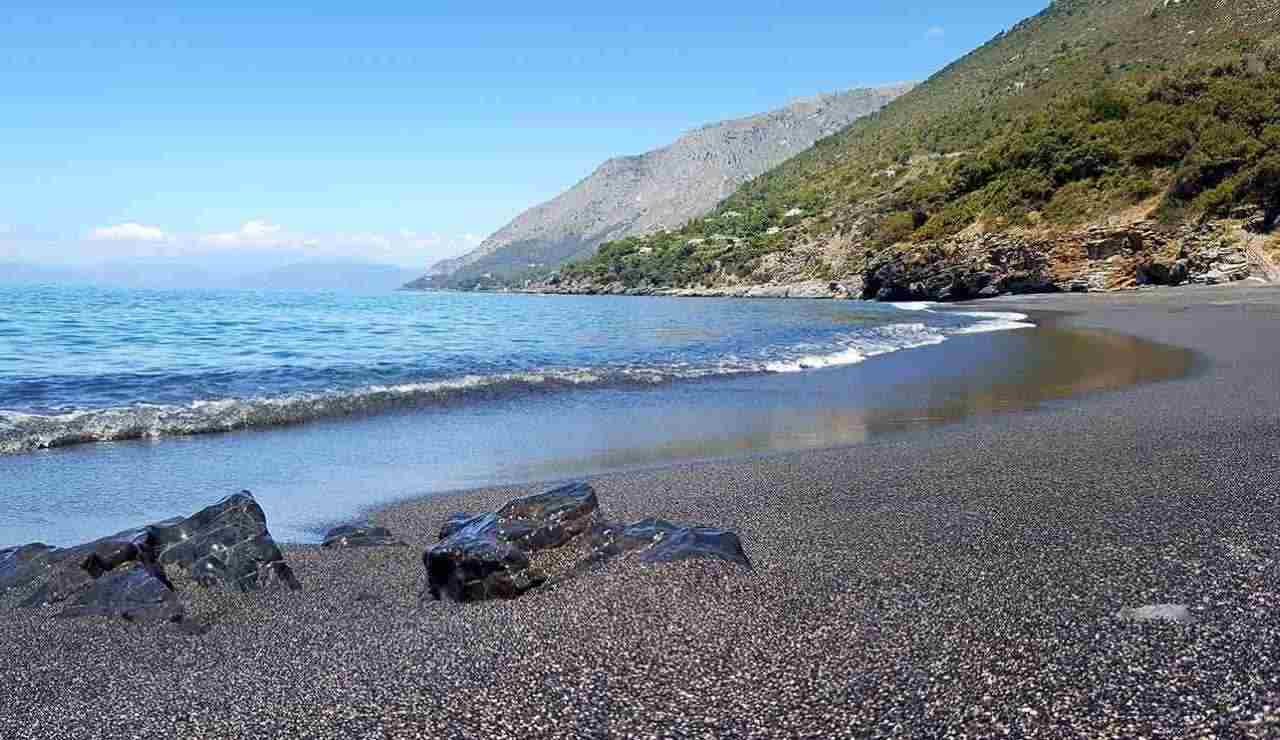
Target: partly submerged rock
{"type": "Point", "coordinates": [493, 555]}
{"type": "Point", "coordinates": [349, 535]}
{"type": "Point", "coordinates": [1176, 613]}
{"type": "Point", "coordinates": [226, 543]}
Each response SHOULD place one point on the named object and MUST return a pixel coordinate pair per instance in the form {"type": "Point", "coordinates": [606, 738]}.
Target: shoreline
{"type": "Point", "coordinates": [841, 399]}
{"type": "Point", "coordinates": [964, 579]}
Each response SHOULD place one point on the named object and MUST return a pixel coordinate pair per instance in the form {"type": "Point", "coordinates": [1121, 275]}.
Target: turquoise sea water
{"type": "Point", "coordinates": [119, 407]}
{"type": "Point", "coordinates": [90, 364]}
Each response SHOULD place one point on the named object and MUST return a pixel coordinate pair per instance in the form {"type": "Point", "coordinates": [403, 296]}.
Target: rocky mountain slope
{"type": "Point", "coordinates": [664, 188]}
{"type": "Point", "coordinates": [1099, 144]}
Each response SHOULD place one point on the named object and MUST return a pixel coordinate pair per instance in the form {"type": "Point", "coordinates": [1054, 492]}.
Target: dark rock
{"type": "Point", "coordinates": [492, 555]}
{"type": "Point", "coordinates": [548, 519]}
{"type": "Point", "coordinates": [659, 541]}
{"type": "Point", "coordinates": [123, 575]}
{"type": "Point", "coordinates": [454, 523]}
{"type": "Point", "coordinates": [62, 580]}
{"type": "Point", "coordinates": [361, 536]}
{"type": "Point", "coordinates": [475, 564]}
{"type": "Point", "coordinates": [1178, 272]}
{"type": "Point", "coordinates": [20, 565]}
{"type": "Point", "coordinates": [227, 543]}
{"type": "Point", "coordinates": [487, 556]}
{"type": "Point", "coordinates": [59, 574]}
{"type": "Point", "coordinates": [987, 266]}
{"type": "Point", "coordinates": [137, 592]}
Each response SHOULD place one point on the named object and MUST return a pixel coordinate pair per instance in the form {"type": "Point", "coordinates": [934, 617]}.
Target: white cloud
{"type": "Point", "coordinates": [255, 238]}
{"type": "Point", "coordinates": [129, 232]}
{"type": "Point", "coordinates": [935, 33]}
{"type": "Point", "coordinates": [255, 233]}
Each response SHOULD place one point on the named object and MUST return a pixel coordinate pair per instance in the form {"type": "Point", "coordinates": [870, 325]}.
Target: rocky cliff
{"type": "Point", "coordinates": [664, 188]}
{"type": "Point", "coordinates": [1094, 258]}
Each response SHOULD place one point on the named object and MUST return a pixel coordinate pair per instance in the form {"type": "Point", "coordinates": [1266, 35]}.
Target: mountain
{"type": "Point", "coordinates": [347, 275]}
{"type": "Point", "coordinates": [663, 188]}
{"type": "Point", "coordinates": [330, 275]}
{"type": "Point", "coordinates": [1099, 144]}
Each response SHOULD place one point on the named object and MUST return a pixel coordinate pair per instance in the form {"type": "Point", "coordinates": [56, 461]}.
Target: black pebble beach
{"type": "Point", "coordinates": [964, 580]}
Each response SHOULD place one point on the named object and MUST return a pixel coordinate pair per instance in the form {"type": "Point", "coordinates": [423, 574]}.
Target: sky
{"type": "Point", "coordinates": [396, 132]}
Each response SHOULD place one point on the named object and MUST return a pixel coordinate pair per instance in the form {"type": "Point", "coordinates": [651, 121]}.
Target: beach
{"type": "Point", "coordinates": [963, 578]}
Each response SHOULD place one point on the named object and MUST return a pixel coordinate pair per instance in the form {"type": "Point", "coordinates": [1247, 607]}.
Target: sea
{"type": "Point", "coordinates": [122, 406]}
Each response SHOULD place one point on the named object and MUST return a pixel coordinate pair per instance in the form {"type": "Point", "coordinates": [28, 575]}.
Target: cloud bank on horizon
{"type": "Point", "coordinates": [132, 240]}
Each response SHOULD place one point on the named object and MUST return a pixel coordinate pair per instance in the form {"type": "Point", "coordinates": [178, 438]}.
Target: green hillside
{"type": "Point", "coordinates": [1087, 109]}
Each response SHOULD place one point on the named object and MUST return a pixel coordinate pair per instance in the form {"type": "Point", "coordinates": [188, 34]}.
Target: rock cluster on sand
{"type": "Point", "coordinates": [124, 575]}
{"type": "Point", "coordinates": [478, 557]}
{"type": "Point", "coordinates": [492, 555]}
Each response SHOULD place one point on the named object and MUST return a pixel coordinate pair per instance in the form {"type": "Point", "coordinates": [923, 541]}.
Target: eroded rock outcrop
{"type": "Point", "coordinates": [493, 555]}
{"type": "Point", "coordinates": [1096, 258]}
{"type": "Point", "coordinates": [124, 575]}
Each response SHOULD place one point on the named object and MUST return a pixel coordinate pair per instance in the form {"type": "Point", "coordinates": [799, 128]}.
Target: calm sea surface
{"type": "Point", "coordinates": [89, 364]}
{"type": "Point", "coordinates": [119, 407]}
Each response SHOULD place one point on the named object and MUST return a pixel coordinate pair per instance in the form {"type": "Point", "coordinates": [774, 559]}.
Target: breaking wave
{"type": "Point", "coordinates": [28, 432]}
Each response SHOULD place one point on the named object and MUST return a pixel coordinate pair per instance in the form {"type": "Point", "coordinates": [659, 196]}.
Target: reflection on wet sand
{"type": "Point", "coordinates": [1051, 364]}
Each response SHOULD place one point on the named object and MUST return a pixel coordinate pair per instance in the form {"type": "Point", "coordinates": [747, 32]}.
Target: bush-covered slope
{"type": "Point", "coordinates": [1076, 115]}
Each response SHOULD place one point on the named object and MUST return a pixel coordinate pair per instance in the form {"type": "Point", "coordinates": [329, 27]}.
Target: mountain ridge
{"type": "Point", "coordinates": [633, 194]}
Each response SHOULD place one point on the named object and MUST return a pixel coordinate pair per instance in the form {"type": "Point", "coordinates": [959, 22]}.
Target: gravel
{"type": "Point", "coordinates": [966, 580]}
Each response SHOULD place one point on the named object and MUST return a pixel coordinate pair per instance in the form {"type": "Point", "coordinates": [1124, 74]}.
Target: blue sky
{"type": "Point", "coordinates": [398, 131]}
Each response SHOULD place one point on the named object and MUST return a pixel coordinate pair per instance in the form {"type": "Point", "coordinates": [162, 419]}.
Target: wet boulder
{"type": "Point", "coordinates": [548, 519]}
{"type": "Point", "coordinates": [497, 555]}
{"type": "Point", "coordinates": [124, 576]}
{"type": "Point", "coordinates": [50, 575]}
{"type": "Point", "coordinates": [349, 535]}
{"type": "Point", "coordinates": [21, 565]}
{"type": "Point", "coordinates": [137, 592]}
{"type": "Point", "coordinates": [655, 540]}
{"type": "Point", "coordinates": [453, 523]}
{"type": "Point", "coordinates": [224, 544]}
{"type": "Point", "coordinates": [475, 563]}
{"type": "Point", "coordinates": [487, 556]}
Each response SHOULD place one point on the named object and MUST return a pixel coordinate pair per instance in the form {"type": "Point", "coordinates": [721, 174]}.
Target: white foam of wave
{"type": "Point", "coordinates": [991, 320]}
{"type": "Point", "coordinates": [994, 321]}
{"type": "Point", "coordinates": [22, 432]}
{"type": "Point", "coordinates": [861, 347]}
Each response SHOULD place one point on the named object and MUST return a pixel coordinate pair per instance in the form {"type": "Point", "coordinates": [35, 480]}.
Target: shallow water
{"type": "Point", "coordinates": [82, 365]}
{"type": "Point", "coordinates": [312, 475]}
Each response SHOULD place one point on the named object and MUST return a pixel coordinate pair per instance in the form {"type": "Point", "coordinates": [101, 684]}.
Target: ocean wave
{"type": "Point", "coordinates": [880, 341]}
{"type": "Point", "coordinates": [994, 321]}
{"type": "Point", "coordinates": [28, 432]}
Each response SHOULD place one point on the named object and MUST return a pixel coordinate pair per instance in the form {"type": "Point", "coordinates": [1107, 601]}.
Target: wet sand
{"type": "Point", "coordinates": [960, 578]}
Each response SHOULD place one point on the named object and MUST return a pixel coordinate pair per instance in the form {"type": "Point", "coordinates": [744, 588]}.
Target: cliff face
{"type": "Point", "coordinates": [628, 196]}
